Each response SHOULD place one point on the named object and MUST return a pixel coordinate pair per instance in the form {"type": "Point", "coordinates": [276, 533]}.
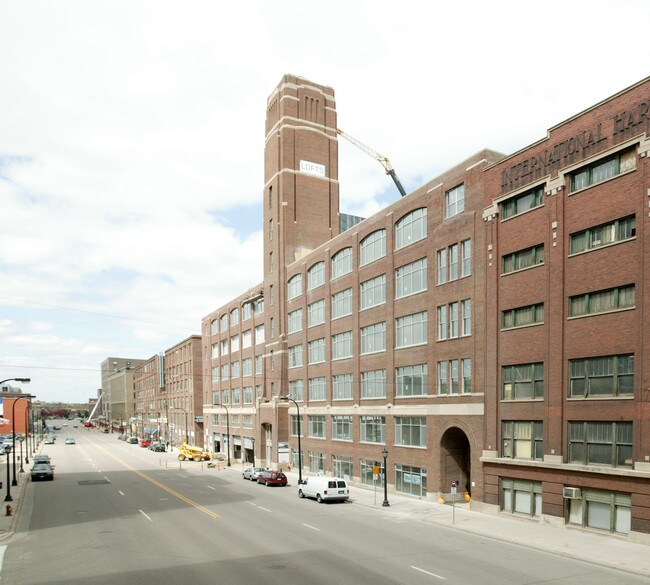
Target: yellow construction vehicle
{"type": "Point", "coordinates": [194, 453]}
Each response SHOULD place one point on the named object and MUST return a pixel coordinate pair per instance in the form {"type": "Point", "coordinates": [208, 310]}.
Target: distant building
{"type": "Point", "coordinates": [117, 392]}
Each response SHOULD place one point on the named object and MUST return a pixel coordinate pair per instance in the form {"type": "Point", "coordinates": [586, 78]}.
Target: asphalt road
{"type": "Point", "coordinates": [117, 513]}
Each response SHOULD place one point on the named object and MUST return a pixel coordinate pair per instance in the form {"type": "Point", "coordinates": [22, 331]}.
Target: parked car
{"type": "Point", "coordinates": [252, 473]}
{"type": "Point", "coordinates": [132, 440]}
{"type": "Point", "coordinates": [70, 441]}
{"type": "Point", "coordinates": [42, 471]}
{"type": "Point", "coordinates": [324, 489]}
{"type": "Point", "coordinates": [157, 447]}
{"type": "Point", "coordinates": [269, 478]}
{"type": "Point", "coordinates": [145, 443]}
{"type": "Point", "coordinates": [42, 458]}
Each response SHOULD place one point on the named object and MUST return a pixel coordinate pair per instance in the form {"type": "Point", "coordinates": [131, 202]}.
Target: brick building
{"type": "Point", "coordinates": [483, 328]}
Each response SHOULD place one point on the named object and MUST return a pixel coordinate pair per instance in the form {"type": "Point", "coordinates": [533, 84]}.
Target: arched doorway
{"type": "Point", "coordinates": [455, 460]}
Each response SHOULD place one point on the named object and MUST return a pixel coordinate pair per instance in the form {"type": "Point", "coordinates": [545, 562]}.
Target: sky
{"type": "Point", "coordinates": [132, 139]}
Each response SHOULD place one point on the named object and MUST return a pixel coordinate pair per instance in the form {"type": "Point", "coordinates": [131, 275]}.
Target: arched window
{"type": "Point", "coordinates": [372, 247]}
{"type": "Point", "coordinates": [411, 228]}
{"type": "Point", "coordinates": [341, 263]}
{"type": "Point", "coordinates": [294, 286]}
{"type": "Point", "coordinates": [316, 276]}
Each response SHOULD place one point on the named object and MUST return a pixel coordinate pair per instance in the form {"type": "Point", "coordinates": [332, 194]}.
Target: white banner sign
{"type": "Point", "coordinates": [312, 168]}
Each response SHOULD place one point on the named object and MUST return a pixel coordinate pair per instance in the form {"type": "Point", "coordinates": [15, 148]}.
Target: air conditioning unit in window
{"type": "Point", "coordinates": [571, 493]}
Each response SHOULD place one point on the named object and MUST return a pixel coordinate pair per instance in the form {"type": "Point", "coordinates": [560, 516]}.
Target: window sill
{"type": "Point", "coordinates": [609, 245]}
{"type": "Point", "coordinates": [521, 326]}
{"type": "Point", "coordinates": [522, 269]}
{"type": "Point", "coordinates": [571, 318]}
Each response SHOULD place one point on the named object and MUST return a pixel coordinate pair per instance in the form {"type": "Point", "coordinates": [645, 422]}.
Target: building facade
{"type": "Point", "coordinates": [117, 398]}
{"type": "Point", "coordinates": [486, 329]}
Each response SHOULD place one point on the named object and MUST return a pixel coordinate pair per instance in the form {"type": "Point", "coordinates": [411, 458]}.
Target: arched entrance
{"type": "Point", "coordinates": [455, 460]}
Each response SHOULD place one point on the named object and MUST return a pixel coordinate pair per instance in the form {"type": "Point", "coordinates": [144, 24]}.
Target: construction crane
{"type": "Point", "coordinates": [374, 154]}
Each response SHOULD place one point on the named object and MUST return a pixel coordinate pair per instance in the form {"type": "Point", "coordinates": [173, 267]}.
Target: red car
{"type": "Point", "coordinates": [269, 478]}
{"type": "Point", "coordinates": [145, 442]}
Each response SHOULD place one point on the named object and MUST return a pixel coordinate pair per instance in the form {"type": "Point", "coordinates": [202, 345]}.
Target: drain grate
{"type": "Point", "coordinates": [93, 482]}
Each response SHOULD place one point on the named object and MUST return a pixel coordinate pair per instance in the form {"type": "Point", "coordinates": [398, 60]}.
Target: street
{"type": "Point", "coordinates": [118, 512]}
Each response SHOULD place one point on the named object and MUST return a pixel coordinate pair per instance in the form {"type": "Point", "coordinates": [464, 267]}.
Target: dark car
{"type": "Point", "coordinates": [43, 458]}
{"type": "Point", "coordinates": [132, 440]}
{"type": "Point", "coordinates": [269, 478]}
{"type": "Point", "coordinates": [157, 447]}
{"type": "Point", "coordinates": [42, 471]}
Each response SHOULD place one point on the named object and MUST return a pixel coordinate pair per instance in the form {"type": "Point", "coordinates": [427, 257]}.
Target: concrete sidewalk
{"type": "Point", "coordinates": [8, 523]}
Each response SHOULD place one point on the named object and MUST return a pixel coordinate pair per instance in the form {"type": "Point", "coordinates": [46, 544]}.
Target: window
{"type": "Point", "coordinates": [601, 376]}
{"type": "Point", "coordinates": [373, 338]}
{"type": "Point", "coordinates": [368, 471]}
{"type": "Point", "coordinates": [234, 370]}
{"type": "Point", "coordinates": [601, 443]}
{"type": "Point", "coordinates": [455, 201]}
{"type": "Point", "coordinates": [272, 327]}
{"type": "Point", "coordinates": [297, 426]}
{"type": "Point", "coordinates": [294, 287]}
{"type": "Point", "coordinates": [248, 395]}
{"type": "Point", "coordinates": [373, 429]}
{"type": "Point", "coordinates": [411, 330]}
{"type": "Point", "coordinates": [411, 480]}
{"type": "Point", "coordinates": [247, 421]}
{"type": "Point", "coordinates": [259, 334]}
{"type": "Point", "coordinates": [247, 367]}
{"type": "Point", "coordinates": [225, 372]}
{"type": "Point", "coordinates": [466, 258]}
{"type": "Point", "coordinates": [533, 256]}
{"type": "Point", "coordinates": [342, 467]}
{"type": "Point", "coordinates": [442, 323]}
{"type": "Point", "coordinates": [373, 292]}
{"type": "Point", "coordinates": [215, 373]}
{"type": "Point", "coordinates": [373, 247]}
{"type": "Point", "coordinates": [234, 317]}
{"type": "Point", "coordinates": [523, 316]}
{"type": "Point", "coordinates": [246, 339]}
{"type": "Point", "coordinates": [522, 440]}
{"type": "Point", "coordinates": [342, 428]}
{"type": "Point", "coordinates": [236, 396]}
{"type": "Point", "coordinates": [453, 320]}
{"type": "Point", "coordinates": [610, 511]}
{"type": "Point", "coordinates": [295, 356]}
{"type": "Point", "coordinates": [294, 321]}
{"type": "Point", "coordinates": [411, 380]}
{"type": "Point", "coordinates": [411, 431]}
{"type": "Point", "coordinates": [522, 381]}
{"type": "Point", "coordinates": [316, 313]}
{"type": "Point", "coordinates": [342, 345]}
{"type": "Point", "coordinates": [519, 496]}
{"type": "Point", "coordinates": [316, 351]}
{"type": "Point", "coordinates": [373, 384]}
{"type": "Point", "coordinates": [317, 389]}
{"type": "Point", "coordinates": [270, 230]}
{"type": "Point", "coordinates": [225, 397]}
{"type": "Point", "coordinates": [466, 373]}
{"type": "Point", "coordinates": [342, 387]}
{"type": "Point", "coordinates": [442, 266]}
{"type": "Point", "coordinates": [602, 301]}
{"type": "Point", "coordinates": [453, 262]}
{"type": "Point", "coordinates": [224, 347]}
{"type": "Point", "coordinates": [411, 279]}
{"type": "Point", "coordinates": [342, 303]}
{"type": "Point", "coordinates": [603, 235]}
{"type": "Point", "coordinates": [521, 203]}
{"type": "Point", "coordinates": [443, 384]}
{"type": "Point", "coordinates": [223, 322]}
{"type": "Point", "coordinates": [246, 311]}
{"type": "Point", "coordinates": [316, 461]}
{"type": "Point", "coordinates": [411, 228]}
{"type": "Point", "coordinates": [234, 343]}
{"type": "Point", "coordinates": [341, 263]}
{"type": "Point", "coordinates": [604, 169]}
{"type": "Point", "coordinates": [316, 426]}
{"type": "Point", "coordinates": [270, 262]}
{"type": "Point", "coordinates": [259, 364]}
{"type": "Point", "coordinates": [466, 306]}
{"type": "Point", "coordinates": [316, 276]}
{"type": "Point", "coordinates": [214, 327]}
{"type": "Point", "coordinates": [259, 306]}
{"type": "Point", "coordinates": [215, 350]}
{"type": "Point", "coordinates": [296, 390]}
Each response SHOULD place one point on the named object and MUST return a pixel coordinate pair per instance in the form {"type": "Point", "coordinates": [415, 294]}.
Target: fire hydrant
{"type": "Point", "coordinates": [10, 510]}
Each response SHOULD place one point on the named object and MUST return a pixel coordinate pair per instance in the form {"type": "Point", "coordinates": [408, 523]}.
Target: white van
{"type": "Point", "coordinates": [324, 488]}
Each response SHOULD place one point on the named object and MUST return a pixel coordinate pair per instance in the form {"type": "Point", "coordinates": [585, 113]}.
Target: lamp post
{"type": "Point", "coordinates": [384, 454]}
{"type": "Point", "coordinates": [27, 412]}
{"type": "Point", "coordinates": [23, 380]}
{"type": "Point", "coordinates": [13, 431]}
{"type": "Point", "coordinates": [21, 440]}
{"type": "Point", "coordinates": [228, 430]}
{"type": "Point", "coordinates": [8, 497]}
{"type": "Point", "coordinates": [289, 399]}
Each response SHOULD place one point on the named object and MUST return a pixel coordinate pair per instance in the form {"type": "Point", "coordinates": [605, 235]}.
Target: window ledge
{"type": "Point", "coordinates": [521, 326]}
{"type": "Point", "coordinates": [589, 469]}
{"type": "Point", "coordinates": [522, 269]}
{"type": "Point", "coordinates": [583, 398]}
{"type": "Point", "coordinates": [601, 313]}
{"type": "Point", "coordinates": [609, 245]}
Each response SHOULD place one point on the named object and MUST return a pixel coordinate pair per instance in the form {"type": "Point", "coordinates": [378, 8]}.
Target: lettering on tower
{"type": "Point", "coordinates": [312, 168]}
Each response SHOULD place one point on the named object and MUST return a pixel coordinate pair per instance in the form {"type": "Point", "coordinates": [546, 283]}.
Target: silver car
{"type": "Point", "coordinates": [252, 473]}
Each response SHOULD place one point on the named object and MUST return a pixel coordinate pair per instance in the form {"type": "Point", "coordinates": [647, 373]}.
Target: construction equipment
{"type": "Point", "coordinates": [374, 154]}
{"type": "Point", "coordinates": [194, 453]}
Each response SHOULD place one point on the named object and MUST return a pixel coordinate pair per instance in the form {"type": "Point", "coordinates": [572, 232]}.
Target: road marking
{"type": "Point", "coordinates": [108, 480]}
{"type": "Point", "coordinates": [120, 492]}
{"type": "Point", "coordinates": [265, 509]}
{"type": "Point", "coordinates": [3, 548]}
{"type": "Point", "coordinates": [211, 488]}
{"type": "Point", "coordinates": [428, 573]}
{"type": "Point", "coordinates": [312, 527]}
{"type": "Point", "coordinates": [181, 475]}
{"type": "Point", "coordinates": [147, 517]}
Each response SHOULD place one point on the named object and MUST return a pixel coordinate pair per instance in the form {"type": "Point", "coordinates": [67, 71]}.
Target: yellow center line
{"type": "Point", "coordinates": [160, 485]}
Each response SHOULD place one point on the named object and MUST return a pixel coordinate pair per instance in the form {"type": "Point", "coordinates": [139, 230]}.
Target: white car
{"type": "Point", "coordinates": [324, 489]}
{"type": "Point", "coordinates": [252, 473]}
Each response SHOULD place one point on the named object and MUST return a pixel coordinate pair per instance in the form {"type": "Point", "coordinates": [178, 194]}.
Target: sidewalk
{"type": "Point", "coordinates": [8, 523]}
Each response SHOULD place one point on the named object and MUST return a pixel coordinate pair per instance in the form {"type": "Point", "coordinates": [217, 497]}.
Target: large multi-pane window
{"type": "Point", "coordinates": [316, 462]}
{"type": "Point", "coordinates": [246, 311]}
{"type": "Point", "coordinates": [297, 426]}
{"type": "Point", "coordinates": [373, 292]}
{"type": "Point", "coordinates": [367, 471]}
{"type": "Point", "coordinates": [519, 496]}
{"type": "Point", "coordinates": [411, 480]}
{"type": "Point", "coordinates": [342, 466]}
{"type": "Point", "coordinates": [455, 261]}
{"type": "Point", "coordinates": [411, 431]}
{"type": "Point", "coordinates": [316, 313]}
{"type": "Point", "coordinates": [247, 339]}
{"type": "Point", "coordinates": [411, 329]}
{"type": "Point", "coordinates": [236, 396]}
{"type": "Point", "coordinates": [521, 259]}
{"type": "Point", "coordinates": [215, 373]}
{"type": "Point", "coordinates": [316, 276]}
{"type": "Point", "coordinates": [411, 380]}
{"type": "Point", "coordinates": [373, 429]}
{"type": "Point", "coordinates": [604, 169]}
{"type": "Point", "coordinates": [259, 306]}
{"type": "Point", "coordinates": [466, 258]}
{"type": "Point", "coordinates": [522, 439]}
{"type": "Point", "coordinates": [317, 389]}
{"type": "Point", "coordinates": [342, 303]}
{"type": "Point", "coordinates": [603, 235]}
{"type": "Point", "coordinates": [455, 376]}
{"type": "Point", "coordinates": [214, 327]}
{"type": "Point", "coordinates": [342, 428]}
{"type": "Point", "coordinates": [234, 317]}
{"type": "Point", "coordinates": [316, 351]}
{"type": "Point", "coordinates": [341, 263]}
{"type": "Point", "coordinates": [522, 381]}
{"type": "Point", "coordinates": [522, 316]}
{"type": "Point", "coordinates": [296, 390]}
{"type": "Point", "coordinates": [225, 397]}
{"type": "Point", "coordinates": [248, 395]}
{"type": "Point", "coordinates": [215, 350]}
{"type": "Point", "coordinates": [259, 334]}
{"type": "Point", "coordinates": [373, 338]}
{"type": "Point", "coordinates": [373, 247]}
{"type": "Point", "coordinates": [342, 345]}
{"type": "Point", "coordinates": [602, 301]}
{"type": "Point", "coordinates": [610, 511]}
{"type": "Point", "coordinates": [373, 384]}
{"type": "Point", "coordinates": [316, 424]}
{"type": "Point", "coordinates": [455, 201]}
{"type": "Point", "coordinates": [525, 201]}
{"type": "Point", "coordinates": [234, 370]}
{"type": "Point", "coordinates": [223, 322]}
{"type": "Point", "coordinates": [342, 387]}
{"type": "Point", "coordinates": [294, 319]}
{"type": "Point", "coordinates": [611, 375]}
{"type": "Point", "coordinates": [601, 443]}
{"type": "Point", "coordinates": [234, 343]}
{"type": "Point", "coordinates": [454, 320]}
{"type": "Point", "coordinates": [223, 347]}
{"type": "Point", "coordinates": [247, 367]}
{"type": "Point", "coordinates": [295, 356]}
{"type": "Point", "coordinates": [259, 364]}
{"type": "Point", "coordinates": [411, 228]}
{"type": "Point", "coordinates": [225, 372]}
{"type": "Point", "coordinates": [411, 279]}
{"type": "Point", "coordinates": [294, 286]}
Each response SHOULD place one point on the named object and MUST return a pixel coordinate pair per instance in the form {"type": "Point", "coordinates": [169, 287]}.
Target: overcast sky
{"type": "Point", "coordinates": [132, 137]}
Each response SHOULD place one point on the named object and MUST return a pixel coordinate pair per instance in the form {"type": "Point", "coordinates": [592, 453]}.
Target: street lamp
{"type": "Point", "coordinates": [27, 413]}
{"type": "Point", "coordinates": [289, 399]}
{"type": "Point", "coordinates": [228, 430]}
{"type": "Point", "coordinates": [8, 497]}
{"type": "Point", "coordinates": [13, 431]}
{"type": "Point", "coordinates": [384, 454]}
{"type": "Point", "coordinates": [23, 380]}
